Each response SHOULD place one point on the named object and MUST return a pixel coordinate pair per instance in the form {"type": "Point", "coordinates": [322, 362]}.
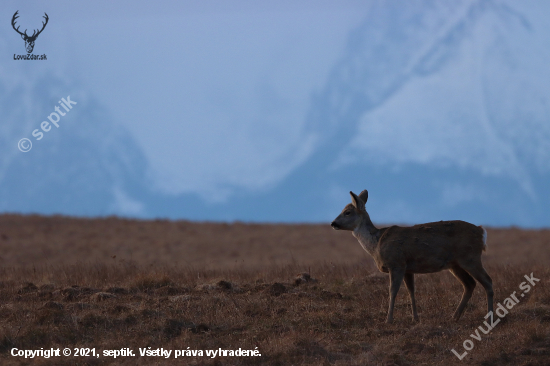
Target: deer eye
{"type": "Point", "coordinates": [346, 213]}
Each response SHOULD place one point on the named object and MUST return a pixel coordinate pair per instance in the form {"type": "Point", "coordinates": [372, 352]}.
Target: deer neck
{"type": "Point", "coordinates": [367, 235]}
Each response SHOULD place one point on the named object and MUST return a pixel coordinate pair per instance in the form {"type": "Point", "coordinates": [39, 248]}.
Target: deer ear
{"type": "Point", "coordinates": [364, 196]}
{"type": "Point", "coordinates": [357, 202]}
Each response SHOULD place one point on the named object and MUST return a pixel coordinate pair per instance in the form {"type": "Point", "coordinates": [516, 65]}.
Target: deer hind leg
{"type": "Point", "coordinates": [396, 277]}
{"type": "Point", "coordinates": [409, 282]}
{"type": "Point", "coordinates": [469, 285]}
{"type": "Point", "coordinates": [477, 271]}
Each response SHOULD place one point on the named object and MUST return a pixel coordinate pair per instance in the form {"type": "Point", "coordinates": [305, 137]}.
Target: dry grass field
{"type": "Point", "coordinates": [111, 284]}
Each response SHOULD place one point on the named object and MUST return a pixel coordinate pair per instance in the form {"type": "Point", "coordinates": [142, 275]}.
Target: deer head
{"type": "Point", "coordinates": [353, 214]}
{"type": "Point", "coordinates": [29, 40]}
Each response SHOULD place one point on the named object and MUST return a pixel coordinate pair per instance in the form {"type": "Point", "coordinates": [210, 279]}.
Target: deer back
{"type": "Point", "coordinates": [429, 247]}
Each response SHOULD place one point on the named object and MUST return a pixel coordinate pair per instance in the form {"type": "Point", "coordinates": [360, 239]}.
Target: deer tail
{"type": "Point", "coordinates": [484, 238]}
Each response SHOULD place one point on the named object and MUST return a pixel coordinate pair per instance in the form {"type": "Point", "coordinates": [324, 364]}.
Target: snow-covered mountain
{"type": "Point", "coordinates": [439, 109]}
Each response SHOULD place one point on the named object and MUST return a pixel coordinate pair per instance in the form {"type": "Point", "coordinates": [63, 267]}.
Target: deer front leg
{"type": "Point", "coordinates": [409, 282]}
{"type": "Point", "coordinates": [396, 277]}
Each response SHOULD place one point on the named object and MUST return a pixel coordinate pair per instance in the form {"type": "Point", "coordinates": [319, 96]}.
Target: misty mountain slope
{"type": "Point", "coordinates": [461, 102]}
{"type": "Point", "coordinates": [87, 166]}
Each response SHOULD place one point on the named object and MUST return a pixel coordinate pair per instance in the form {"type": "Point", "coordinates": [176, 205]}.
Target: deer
{"type": "Point", "coordinates": [29, 40]}
{"type": "Point", "coordinates": [425, 248]}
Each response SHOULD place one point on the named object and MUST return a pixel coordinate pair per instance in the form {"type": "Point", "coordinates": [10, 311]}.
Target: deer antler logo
{"type": "Point", "coordinates": [29, 40]}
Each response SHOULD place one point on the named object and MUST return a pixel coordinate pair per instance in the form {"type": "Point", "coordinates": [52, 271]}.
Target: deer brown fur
{"type": "Point", "coordinates": [425, 248]}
